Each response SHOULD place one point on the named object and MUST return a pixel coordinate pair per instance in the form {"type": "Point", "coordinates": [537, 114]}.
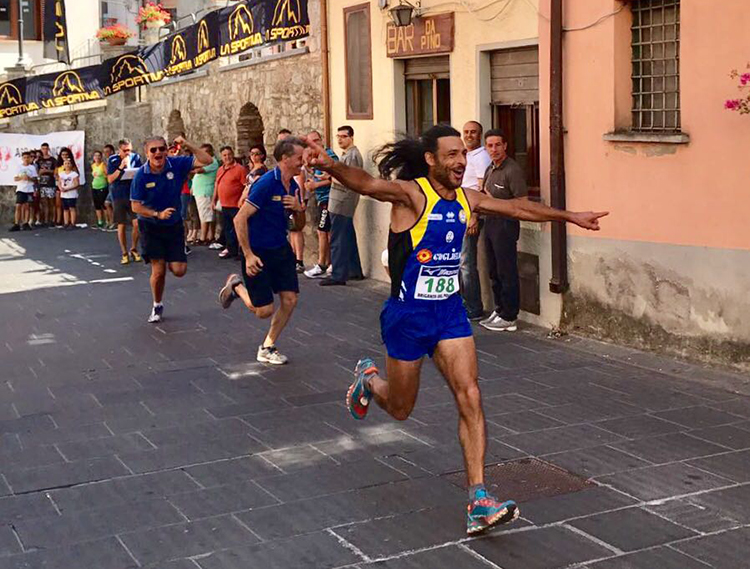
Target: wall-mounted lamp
{"type": "Point", "coordinates": [404, 12]}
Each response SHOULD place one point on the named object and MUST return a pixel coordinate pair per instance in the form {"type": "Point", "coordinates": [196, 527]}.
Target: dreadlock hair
{"type": "Point", "coordinates": [405, 156]}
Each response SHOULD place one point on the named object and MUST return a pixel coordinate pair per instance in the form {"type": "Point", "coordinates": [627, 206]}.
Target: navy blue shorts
{"type": "Point", "coordinates": [162, 242]}
{"type": "Point", "coordinates": [279, 274]}
{"type": "Point", "coordinates": [23, 197]}
{"type": "Point", "coordinates": [69, 203]}
{"type": "Point", "coordinates": [411, 330]}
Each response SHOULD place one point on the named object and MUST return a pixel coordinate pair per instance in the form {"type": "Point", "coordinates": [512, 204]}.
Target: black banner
{"type": "Point", "coordinates": [55, 31]}
{"type": "Point", "coordinates": [224, 32]}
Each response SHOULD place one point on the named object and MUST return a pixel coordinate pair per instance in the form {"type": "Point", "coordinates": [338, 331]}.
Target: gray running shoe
{"type": "Point", "coordinates": [500, 325]}
{"type": "Point", "coordinates": [157, 313]}
{"type": "Point", "coordinates": [491, 318]}
{"type": "Point", "coordinates": [271, 355]}
{"type": "Point", "coordinates": [227, 294]}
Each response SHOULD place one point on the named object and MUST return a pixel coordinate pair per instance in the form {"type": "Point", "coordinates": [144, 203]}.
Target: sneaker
{"type": "Point", "coordinates": [156, 314]}
{"type": "Point", "coordinates": [15, 227]}
{"type": "Point", "coordinates": [37, 223]}
{"type": "Point", "coordinates": [501, 325]}
{"type": "Point", "coordinates": [136, 256]}
{"type": "Point", "coordinates": [358, 396]}
{"type": "Point", "coordinates": [485, 511]}
{"type": "Point", "coordinates": [227, 294]}
{"type": "Point", "coordinates": [300, 267]}
{"type": "Point", "coordinates": [329, 270]}
{"type": "Point", "coordinates": [188, 250]}
{"type": "Point", "coordinates": [215, 246]}
{"type": "Point", "coordinates": [271, 355]}
{"type": "Point", "coordinates": [316, 272]}
{"type": "Point", "coordinates": [125, 260]}
{"type": "Point", "coordinates": [26, 227]}
{"type": "Point", "coordinates": [491, 318]}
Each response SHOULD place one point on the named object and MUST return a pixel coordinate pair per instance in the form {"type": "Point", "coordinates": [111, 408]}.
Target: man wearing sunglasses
{"type": "Point", "coordinates": [155, 197]}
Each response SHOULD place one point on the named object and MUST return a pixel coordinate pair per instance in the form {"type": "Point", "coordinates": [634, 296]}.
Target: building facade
{"type": "Point", "coordinates": [646, 137]}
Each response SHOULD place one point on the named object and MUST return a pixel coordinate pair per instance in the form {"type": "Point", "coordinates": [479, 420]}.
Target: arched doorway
{"type": "Point", "coordinates": [175, 125]}
{"type": "Point", "coordinates": [249, 129]}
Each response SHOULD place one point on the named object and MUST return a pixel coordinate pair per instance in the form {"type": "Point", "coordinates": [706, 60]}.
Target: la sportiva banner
{"type": "Point", "coordinates": [221, 33]}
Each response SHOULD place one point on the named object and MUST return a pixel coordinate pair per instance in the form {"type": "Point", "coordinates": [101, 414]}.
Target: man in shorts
{"type": "Point", "coordinates": [120, 182]}
{"type": "Point", "coordinates": [268, 263]}
{"type": "Point", "coordinates": [109, 151]}
{"type": "Point", "coordinates": [155, 198]}
{"type": "Point", "coordinates": [320, 184]}
{"type": "Point", "coordinates": [25, 180]}
{"type": "Point", "coordinates": [46, 165]}
{"type": "Point", "coordinates": [425, 314]}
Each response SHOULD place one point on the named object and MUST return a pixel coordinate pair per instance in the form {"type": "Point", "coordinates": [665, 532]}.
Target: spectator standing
{"type": "Point", "coordinates": [320, 183]}
{"type": "Point", "coordinates": [99, 187]}
{"type": "Point", "coordinates": [504, 179]}
{"type": "Point", "coordinates": [155, 195]}
{"type": "Point", "coordinates": [65, 154]}
{"type": "Point", "coordinates": [25, 179]}
{"type": "Point", "coordinates": [68, 181]}
{"type": "Point", "coordinates": [118, 163]}
{"type": "Point", "coordinates": [109, 151]}
{"type": "Point", "coordinates": [46, 167]}
{"type": "Point", "coordinates": [230, 183]}
{"type": "Point", "coordinates": [36, 216]}
{"type": "Point", "coordinates": [342, 204]}
{"type": "Point", "coordinates": [186, 197]}
{"type": "Point", "coordinates": [204, 180]}
{"type": "Point", "coordinates": [477, 162]}
{"type": "Point", "coordinates": [268, 259]}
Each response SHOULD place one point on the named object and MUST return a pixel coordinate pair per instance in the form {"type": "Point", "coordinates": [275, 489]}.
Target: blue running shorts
{"type": "Point", "coordinates": [413, 330]}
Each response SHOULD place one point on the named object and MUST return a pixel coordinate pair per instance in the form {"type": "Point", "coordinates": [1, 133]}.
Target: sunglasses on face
{"type": "Point", "coordinates": [155, 149]}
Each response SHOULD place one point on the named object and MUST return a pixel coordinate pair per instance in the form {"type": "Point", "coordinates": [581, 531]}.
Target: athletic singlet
{"type": "Point", "coordinates": [424, 261]}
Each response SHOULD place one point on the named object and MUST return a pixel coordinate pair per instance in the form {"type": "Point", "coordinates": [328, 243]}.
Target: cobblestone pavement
{"type": "Point", "coordinates": [124, 444]}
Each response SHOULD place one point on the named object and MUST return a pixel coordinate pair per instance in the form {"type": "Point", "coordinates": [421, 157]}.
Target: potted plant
{"type": "Point", "coordinates": [153, 16]}
{"type": "Point", "coordinates": [116, 34]}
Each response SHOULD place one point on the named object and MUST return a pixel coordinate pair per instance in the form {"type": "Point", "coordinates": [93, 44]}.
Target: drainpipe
{"type": "Point", "coordinates": [559, 282]}
{"type": "Point", "coordinates": [325, 65]}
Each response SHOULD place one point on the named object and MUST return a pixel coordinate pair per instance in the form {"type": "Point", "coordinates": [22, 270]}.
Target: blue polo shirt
{"type": "Point", "coordinates": [268, 226]}
{"type": "Point", "coordinates": [162, 190]}
{"type": "Point", "coordinates": [121, 188]}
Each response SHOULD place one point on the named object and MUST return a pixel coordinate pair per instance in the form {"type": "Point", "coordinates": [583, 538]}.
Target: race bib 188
{"type": "Point", "coordinates": [436, 283]}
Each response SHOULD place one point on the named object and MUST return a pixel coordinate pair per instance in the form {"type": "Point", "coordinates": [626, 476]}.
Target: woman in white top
{"type": "Point", "coordinates": [68, 182]}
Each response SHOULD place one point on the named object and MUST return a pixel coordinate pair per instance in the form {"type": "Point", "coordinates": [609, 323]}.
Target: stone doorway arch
{"type": "Point", "coordinates": [175, 125]}
{"type": "Point", "coordinates": [249, 129]}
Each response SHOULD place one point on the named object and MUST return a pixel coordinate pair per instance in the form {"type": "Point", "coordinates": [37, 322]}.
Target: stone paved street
{"type": "Point", "coordinates": [124, 444]}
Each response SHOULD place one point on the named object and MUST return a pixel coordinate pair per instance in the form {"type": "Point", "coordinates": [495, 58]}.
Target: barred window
{"type": "Point", "coordinates": [656, 65]}
{"type": "Point", "coordinates": [358, 59]}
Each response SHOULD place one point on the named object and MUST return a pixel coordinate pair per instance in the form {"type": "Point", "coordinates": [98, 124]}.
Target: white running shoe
{"type": "Point", "coordinates": [271, 355]}
{"type": "Point", "coordinates": [491, 318]}
{"type": "Point", "coordinates": [215, 246]}
{"type": "Point", "coordinates": [501, 325]}
{"type": "Point", "coordinates": [329, 271]}
{"type": "Point", "coordinates": [316, 272]}
{"type": "Point", "coordinates": [156, 314]}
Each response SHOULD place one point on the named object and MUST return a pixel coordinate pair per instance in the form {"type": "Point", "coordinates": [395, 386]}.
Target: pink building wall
{"type": "Point", "coordinates": [673, 259]}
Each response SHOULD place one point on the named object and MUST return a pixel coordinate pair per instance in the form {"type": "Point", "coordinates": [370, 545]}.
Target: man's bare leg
{"type": "Point", "coordinates": [457, 361]}
{"type": "Point", "coordinates": [398, 395]}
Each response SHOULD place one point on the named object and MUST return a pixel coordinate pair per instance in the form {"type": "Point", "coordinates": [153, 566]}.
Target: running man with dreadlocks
{"type": "Point", "coordinates": [425, 315]}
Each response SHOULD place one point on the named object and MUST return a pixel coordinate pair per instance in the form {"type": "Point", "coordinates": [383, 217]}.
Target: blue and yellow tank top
{"type": "Point", "coordinates": [424, 261]}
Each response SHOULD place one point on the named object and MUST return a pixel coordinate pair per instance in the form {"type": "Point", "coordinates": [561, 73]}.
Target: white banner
{"type": "Point", "coordinates": [13, 145]}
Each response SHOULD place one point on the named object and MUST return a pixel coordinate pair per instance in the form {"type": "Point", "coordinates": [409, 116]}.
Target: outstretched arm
{"type": "Point", "coordinates": [359, 181]}
{"type": "Point", "coordinates": [526, 210]}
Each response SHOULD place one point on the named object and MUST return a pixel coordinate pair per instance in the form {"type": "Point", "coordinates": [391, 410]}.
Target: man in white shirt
{"type": "Point", "coordinates": [25, 180]}
{"type": "Point", "coordinates": [477, 162]}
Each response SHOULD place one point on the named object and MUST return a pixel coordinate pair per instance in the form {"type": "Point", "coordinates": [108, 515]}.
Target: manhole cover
{"type": "Point", "coordinates": [526, 479]}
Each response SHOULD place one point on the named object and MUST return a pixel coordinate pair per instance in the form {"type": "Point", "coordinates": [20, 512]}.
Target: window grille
{"type": "Point", "coordinates": [656, 65]}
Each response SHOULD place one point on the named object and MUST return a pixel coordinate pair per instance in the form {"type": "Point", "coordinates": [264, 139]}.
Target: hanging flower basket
{"type": "Point", "coordinates": [153, 16]}
{"type": "Point", "coordinates": [116, 34]}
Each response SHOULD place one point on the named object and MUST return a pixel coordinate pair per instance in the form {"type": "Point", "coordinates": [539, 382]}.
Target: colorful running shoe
{"type": "Point", "coordinates": [486, 511]}
{"type": "Point", "coordinates": [358, 397]}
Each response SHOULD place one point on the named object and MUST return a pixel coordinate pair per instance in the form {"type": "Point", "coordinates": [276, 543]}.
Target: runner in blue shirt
{"type": "Point", "coordinates": [268, 264]}
{"type": "Point", "coordinates": [155, 198]}
{"type": "Point", "coordinates": [425, 315]}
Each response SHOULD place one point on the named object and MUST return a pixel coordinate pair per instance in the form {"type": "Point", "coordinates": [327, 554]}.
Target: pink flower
{"type": "Point", "coordinates": [745, 79]}
{"type": "Point", "coordinates": [732, 104]}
